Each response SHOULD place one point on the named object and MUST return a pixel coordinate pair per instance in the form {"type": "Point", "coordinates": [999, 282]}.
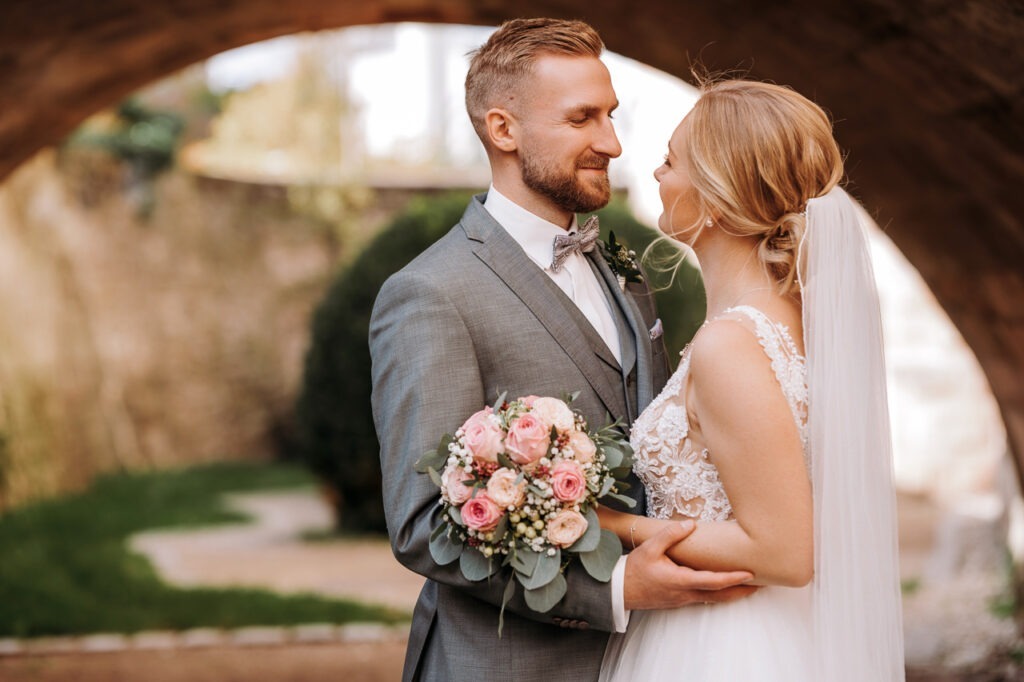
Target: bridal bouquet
{"type": "Point", "coordinates": [519, 486]}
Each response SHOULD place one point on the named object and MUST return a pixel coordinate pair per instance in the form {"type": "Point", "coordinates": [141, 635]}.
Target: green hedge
{"type": "Point", "coordinates": [337, 436]}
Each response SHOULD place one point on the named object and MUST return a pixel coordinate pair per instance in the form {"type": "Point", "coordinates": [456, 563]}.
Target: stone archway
{"type": "Point", "coordinates": [928, 97]}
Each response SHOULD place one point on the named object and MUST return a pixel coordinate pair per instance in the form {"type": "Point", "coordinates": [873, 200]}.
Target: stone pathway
{"type": "Point", "coordinates": [270, 553]}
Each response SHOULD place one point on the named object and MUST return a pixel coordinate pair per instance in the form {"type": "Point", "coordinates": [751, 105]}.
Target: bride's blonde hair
{"type": "Point", "coordinates": [756, 153]}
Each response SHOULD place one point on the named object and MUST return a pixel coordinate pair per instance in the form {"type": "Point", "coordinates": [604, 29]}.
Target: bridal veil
{"type": "Point", "coordinates": [856, 594]}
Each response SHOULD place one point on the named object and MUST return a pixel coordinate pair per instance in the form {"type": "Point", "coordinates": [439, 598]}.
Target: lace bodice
{"type": "Point", "coordinates": [679, 478]}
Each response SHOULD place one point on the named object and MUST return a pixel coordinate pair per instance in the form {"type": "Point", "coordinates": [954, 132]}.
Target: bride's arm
{"type": "Point", "coordinates": [749, 429]}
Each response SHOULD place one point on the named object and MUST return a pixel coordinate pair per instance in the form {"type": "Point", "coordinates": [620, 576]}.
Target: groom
{"type": "Point", "coordinates": [490, 309]}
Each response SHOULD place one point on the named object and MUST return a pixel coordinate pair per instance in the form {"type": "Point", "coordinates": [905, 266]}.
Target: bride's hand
{"type": "Point", "coordinates": [655, 581]}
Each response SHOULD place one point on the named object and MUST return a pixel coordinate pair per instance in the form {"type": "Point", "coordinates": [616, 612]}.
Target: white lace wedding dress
{"type": "Point", "coordinates": [764, 637]}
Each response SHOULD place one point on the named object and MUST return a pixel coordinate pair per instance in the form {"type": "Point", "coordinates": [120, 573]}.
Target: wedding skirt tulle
{"type": "Point", "coordinates": [764, 637]}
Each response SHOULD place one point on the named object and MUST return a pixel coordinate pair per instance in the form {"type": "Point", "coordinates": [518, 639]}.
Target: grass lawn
{"type": "Point", "coordinates": [65, 567]}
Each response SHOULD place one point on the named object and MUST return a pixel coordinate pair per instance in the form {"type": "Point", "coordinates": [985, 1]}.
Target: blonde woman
{"type": "Point", "coordinates": [772, 434]}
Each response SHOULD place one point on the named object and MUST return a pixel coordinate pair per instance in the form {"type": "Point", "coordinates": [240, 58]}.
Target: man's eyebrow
{"type": "Point", "coordinates": [590, 109]}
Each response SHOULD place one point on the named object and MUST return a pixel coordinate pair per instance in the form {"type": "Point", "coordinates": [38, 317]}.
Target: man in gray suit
{"type": "Point", "coordinates": [492, 308]}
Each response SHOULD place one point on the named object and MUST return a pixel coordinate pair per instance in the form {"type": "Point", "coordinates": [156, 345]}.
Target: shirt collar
{"type": "Point", "coordinates": [534, 234]}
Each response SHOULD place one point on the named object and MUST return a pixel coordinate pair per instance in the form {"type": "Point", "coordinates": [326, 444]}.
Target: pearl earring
{"type": "Point", "coordinates": [709, 222]}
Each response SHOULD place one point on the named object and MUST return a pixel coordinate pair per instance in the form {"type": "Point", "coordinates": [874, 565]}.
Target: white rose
{"type": "Point", "coordinates": [582, 446]}
{"type": "Point", "coordinates": [566, 528]}
{"type": "Point", "coordinates": [454, 489]}
{"type": "Point", "coordinates": [503, 489]}
{"type": "Point", "coordinates": [555, 413]}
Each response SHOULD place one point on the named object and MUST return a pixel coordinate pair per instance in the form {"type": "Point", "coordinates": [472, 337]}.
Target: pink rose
{"type": "Point", "coordinates": [582, 446]}
{"type": "Point", "coordinates": [566, 528]}
{"type": "Point", "coordinates": [503, 488]}
{"type": "Point", "coordinates": [528, 400]}
{"type": "Point", "coordinates": [553, 412]}
{"type": "Point", "coordinates": [480, 513]}
{"type": "Point", "coordinates": [568, 482]}
{"type": "Point", "coordinates": [482, 436]}
{"type": "Point", "coordinates": [454, 488]}
{"type": "Point", "coordinates": [528, 439]}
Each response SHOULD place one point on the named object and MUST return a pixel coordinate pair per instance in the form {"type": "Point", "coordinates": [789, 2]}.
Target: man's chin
{"type": "Point", "coordinates": [597, 195]}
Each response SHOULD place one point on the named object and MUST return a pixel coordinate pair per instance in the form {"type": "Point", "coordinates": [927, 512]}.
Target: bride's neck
{"type": "Point", "coordinates": [732, 271]}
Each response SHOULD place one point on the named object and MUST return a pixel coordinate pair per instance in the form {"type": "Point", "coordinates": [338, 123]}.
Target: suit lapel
{"type": "Point", "coordinates": [641, 335]}
{"type": "Point", "coordinates": [552, 308]}
{"type": "Point", "coordinates": [623, 324]}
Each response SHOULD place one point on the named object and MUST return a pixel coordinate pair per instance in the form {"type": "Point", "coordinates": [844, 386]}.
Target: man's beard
{"type": "Point", "coordinates": [565, 189]}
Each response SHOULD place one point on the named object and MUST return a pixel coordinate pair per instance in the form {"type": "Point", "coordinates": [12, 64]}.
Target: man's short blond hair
{"type": "Point", "coordinates": [498, 67]}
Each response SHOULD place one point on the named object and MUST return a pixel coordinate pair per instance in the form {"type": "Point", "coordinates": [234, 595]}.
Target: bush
{"type": "Point", "coordinates": [337, 436]}
{"type": "Point", "coordinates": [680, 299]}
{"type": "Point", "coordinates": [146, 139]}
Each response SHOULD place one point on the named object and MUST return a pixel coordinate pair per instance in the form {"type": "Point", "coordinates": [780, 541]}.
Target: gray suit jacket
{"type": "Point", "coordinates": [469, 318]}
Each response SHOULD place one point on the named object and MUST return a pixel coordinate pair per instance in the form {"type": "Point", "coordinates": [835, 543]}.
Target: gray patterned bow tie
{"type": "Point", "coordinates": [581, 241]}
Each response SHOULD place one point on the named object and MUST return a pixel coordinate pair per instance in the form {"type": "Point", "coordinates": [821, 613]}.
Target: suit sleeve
{"type": "Point", "coordinates": [426, 382]}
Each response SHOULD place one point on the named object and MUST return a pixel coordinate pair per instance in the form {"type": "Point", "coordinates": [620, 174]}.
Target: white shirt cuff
{"type": "Point", "coordinates": [620, 616]}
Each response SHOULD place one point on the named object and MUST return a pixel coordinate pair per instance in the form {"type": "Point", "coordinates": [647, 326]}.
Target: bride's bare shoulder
{"type": "Point", "coordinates": [727, 355]}
{"type": "Point", "coordinates": [722, 342]}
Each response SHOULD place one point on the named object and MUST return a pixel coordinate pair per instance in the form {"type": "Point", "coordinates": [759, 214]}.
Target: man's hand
{"type": "Point", "coordinates": [653, 581]}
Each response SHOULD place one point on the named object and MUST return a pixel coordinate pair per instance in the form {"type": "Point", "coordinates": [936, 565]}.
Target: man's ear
{"type": "Point", "coordinates": [502, 129]}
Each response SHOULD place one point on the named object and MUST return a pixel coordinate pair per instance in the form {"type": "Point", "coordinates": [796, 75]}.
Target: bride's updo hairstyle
{"type": "Point", "coordinates": [757, 152]}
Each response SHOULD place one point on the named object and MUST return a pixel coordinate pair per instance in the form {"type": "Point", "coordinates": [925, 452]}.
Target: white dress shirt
{"type": "Point", "coordinates": [537, 237]}
{"type": "Point", "coordinates": [575, 278]}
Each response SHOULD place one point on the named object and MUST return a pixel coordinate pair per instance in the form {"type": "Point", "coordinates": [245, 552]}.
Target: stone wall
{"type": "Point", "coordinates": [130, 341]}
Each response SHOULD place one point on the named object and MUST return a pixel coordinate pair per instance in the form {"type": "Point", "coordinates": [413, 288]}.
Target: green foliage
{"type": "Point", "coordinates": [909, 586]}
{"type": "Point", "coordinates": [66, 568]}
{"type": "Point", "coordinates": [679, 298]}
{"type": "Point", "coordinates": [5, 466]}
{"type": "Point", "coordinates": [1006, 603]}
{"type": "Point", "coordinates": [336, 425]}
{"type": "Point", "coordinates": [144, 138]}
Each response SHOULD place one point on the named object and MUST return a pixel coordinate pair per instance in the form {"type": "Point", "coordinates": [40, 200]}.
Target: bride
{"type": "Point", "coordinates": [773, 432]}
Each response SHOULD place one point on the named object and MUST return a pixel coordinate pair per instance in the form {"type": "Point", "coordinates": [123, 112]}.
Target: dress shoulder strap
{"type": "Point", "coordinates": [789, 366]}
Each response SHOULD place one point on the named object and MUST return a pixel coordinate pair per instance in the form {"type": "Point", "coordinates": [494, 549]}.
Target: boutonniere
{"type": "Point", "coordinates": [622, 260]}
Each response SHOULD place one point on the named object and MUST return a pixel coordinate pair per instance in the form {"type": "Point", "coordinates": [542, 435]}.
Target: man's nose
{"type": "Point", "coordinates": [607, 142]}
